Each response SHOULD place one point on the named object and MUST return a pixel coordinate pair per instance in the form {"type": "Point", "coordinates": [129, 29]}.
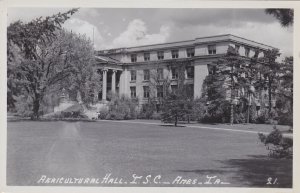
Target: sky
{"type": "Point", "coordinates": [125, 27]}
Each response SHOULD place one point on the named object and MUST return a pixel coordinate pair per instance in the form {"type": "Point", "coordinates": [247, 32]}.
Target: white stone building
{"type": "Point", "coordinates": [127, 71]}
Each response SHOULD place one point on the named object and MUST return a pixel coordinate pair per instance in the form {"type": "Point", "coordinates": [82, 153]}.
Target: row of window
{"type": "Point", "coordinates": [190, 52]}
{"type": "Point", "coordinates": [146, 91]}
{"type": "Point", "coordinates": [159, 89]}
{"type": "Point", "coordinates": [160, 73]}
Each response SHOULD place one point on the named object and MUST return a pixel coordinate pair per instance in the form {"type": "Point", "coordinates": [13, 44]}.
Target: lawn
{"type": "Point", "coordinates": [171, 155]}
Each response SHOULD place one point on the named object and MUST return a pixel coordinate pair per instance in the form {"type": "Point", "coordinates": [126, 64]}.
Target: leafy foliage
{"type": "Point", "coordinates": [213, 106]}
{"type": "Point", "coordinates": [41, 57]}
{"type": "Point", "coordinates": [284, 16]}
{"type": "Point", "coordinates": [284, 103]}
{"type": "Point", "coordinates": [176, 107]}
{"type": "Point", "coordinates": [279, 146]}
{"type": "Point", "coordinates": [120, 108]}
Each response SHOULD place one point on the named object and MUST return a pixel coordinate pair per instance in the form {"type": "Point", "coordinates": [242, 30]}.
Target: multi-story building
{"type": "Point", "coordinates": [129, 71]}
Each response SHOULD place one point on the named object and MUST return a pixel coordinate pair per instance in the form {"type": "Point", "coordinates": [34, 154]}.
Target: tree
{"type": "Point", "coordinates": [284, 102]}
{"type": "Point", "coordinates": [213, 106]}
{"type": "Point", "coordinates": [44, 63]}
{"type": "Point", "coordinates": [233, 67]}
{"type": "Point", "coordinates": [269, 74]}
{"type": "Point", "coordinates": [175, 107]}
{"type": "Point", "coordinates": [177, 104]}
{"type": "Point", "coordinates": [284, 16]}
{"type": "Point", "coordinates": [84, 79]}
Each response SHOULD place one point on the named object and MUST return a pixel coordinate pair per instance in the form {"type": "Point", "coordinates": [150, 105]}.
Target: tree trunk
{"type": "Point", "coordinates": [36, 107]}
{"type": "Point", "coordinates": [231, 114]}
{"type": "Point", "coordinates": [270, 95]}
{"type": "Point", "coordinates": [175, 120]}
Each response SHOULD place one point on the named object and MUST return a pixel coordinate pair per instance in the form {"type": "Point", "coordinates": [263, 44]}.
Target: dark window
{"type": "Point", "coordinates": [237, 48]}
{"type": "Point", "coordinates": [146, 91]}
{"type": "Point", "coordinates": [190, 72]}
{"type": "Point", "coordinates": [212, 69]}
{"type": "Point", "coordinates": [160, 73]}
{"type": "Point", "coordinates": [158, 108]}
{"type": "Point", "coordinates": [133, 92]}
{"type": "Point", "coordinates": [174, 88]}
{"type": "Point", "coordinates": [174, 73]}
{"type": "Point", "coordinates": [160, 91]}
{"type": "Point", "coordinates": [247, 52]}
{"type": "Point", "coordinates": [174, 53]}
{"type": "Point", "coordinates": [146, 74]}
{"type": "Point", "coordinates": [190, 90]}
{"type": "Point", "coordinates": [212, 49]}
{"type": "Point", "coordinates": [133, 75]}
{"type": "Point", "coordinates": [160, 55]}
{"type": "Point", "coordinates": [146, 56]}
{"type": "Point", "coordinates": [133, 57]}
{"type": "Point", "coordinates": [190, 52]}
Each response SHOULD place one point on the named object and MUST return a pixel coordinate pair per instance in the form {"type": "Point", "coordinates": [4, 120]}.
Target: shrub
{"type": "Point", "coordinates": [147, 111]}
{"type": "Point", "coordinates": [156, 116]}
{"type": "Point", "coordinates": [216, 112]}
{"type": "Point", "coordinates": [278, 146]}
{"type": "Point", "coordinates": [120, 108]}
{"type": "Point", "coordinates": [285, 118]}
{"type": "Point", "coordinates": [266, 117]}
{"type": "Point", "coordinates": [240, 118]}
{"type": "Point", "coordinates": [102, 114]}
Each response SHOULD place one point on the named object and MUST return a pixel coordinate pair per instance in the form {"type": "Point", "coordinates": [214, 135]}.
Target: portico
{"type": "Point", "coordinates": [110, 83]}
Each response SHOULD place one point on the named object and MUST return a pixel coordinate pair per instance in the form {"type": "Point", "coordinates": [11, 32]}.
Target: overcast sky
{"type": "Point", "coordinates": [119, 27]}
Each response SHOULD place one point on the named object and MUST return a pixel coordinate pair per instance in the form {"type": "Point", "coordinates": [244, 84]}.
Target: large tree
{"type": "Point", "coordinates": [269, 74]}
{"type": "Point", "coordinates": [83, 80]}
{"type": "Point", "coordinates": [234, 68]}
{"type": "Point", "coordinates": [284, 100]}
{"type": "Point", "coordinates": [44, 61]}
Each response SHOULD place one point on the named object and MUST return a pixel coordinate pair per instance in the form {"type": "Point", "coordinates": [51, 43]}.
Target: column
{"type": "Point", "coordinates": [113, 82]}
{"type": "Point", "coordinates": [104, 85]}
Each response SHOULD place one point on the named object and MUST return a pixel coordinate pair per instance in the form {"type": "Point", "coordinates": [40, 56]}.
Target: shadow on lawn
{"type": "Point", "coordinates": [252, 172]}
{"type": "Point", "coordinates": [256, 171]}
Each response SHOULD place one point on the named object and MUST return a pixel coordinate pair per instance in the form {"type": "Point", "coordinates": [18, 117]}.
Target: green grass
{"type": "Point", "coordinates": [93, 149]}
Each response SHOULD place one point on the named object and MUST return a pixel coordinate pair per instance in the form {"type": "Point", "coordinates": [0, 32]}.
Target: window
{"type": "Point", "coordinates": [174, 53]}
{"type": "Point", "coordinates": [212, 69]}
{"type": "Point", "coordinates": [133, 92]}
{"type": "Point", "coordinates": [133, 57]}
{"type": "Point", "coordinates": [146, 74]}
{"type": "Point", "coordinates": [247, 51]}
{"type": "Point", "coordinates": [158, 108]}
{"type": "Point", "coordinates": [174, 88]}
{"type": "Point", "coordinates": [174, 73]}
{"type": "Point", "coordinates": [146, 91]}
{"type": "Point", "coordinates": [237, 48]}
{"type": "Point", "coordinates": [212, 49]}
{"type": "Point", "coordinates": [160, 55]}
{"type": "Point", "coordinates": [190, 52]}
{"type": "Point", "coordinates": [160, 73]}
{"type": "Point", "coordinates": [133, 75]}
{"type": "Point", "coordinates": [160, 91]}
{"type": "Point", "coordinates": [146, 56]}
{"type": "Point", "coordinates": [190, 71]}
{"type": "Point", "coordinates": [190, 90]}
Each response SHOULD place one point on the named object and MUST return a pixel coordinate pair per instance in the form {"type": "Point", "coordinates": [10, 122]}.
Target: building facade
{"type": "Point", "coordinates": [133, 71]}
